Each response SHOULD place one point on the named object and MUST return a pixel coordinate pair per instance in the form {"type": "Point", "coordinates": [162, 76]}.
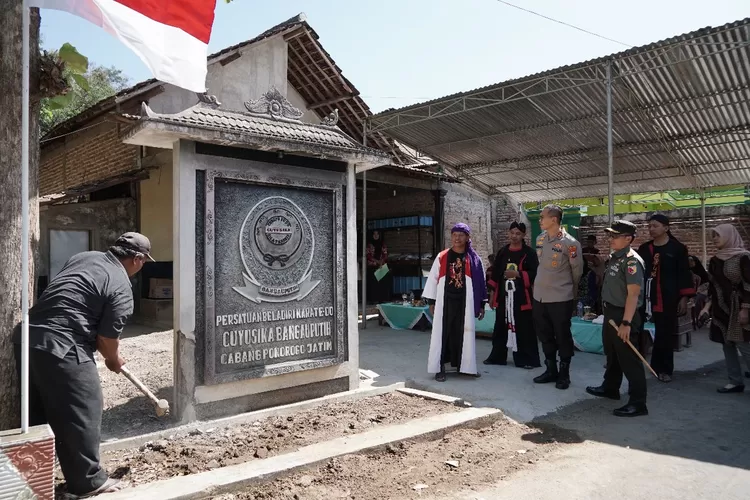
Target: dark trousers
{"type": "Point", "coordinates": [662, 353]}
{"type": "Point", "coordinates": [620, 357]}
{"type": "Point", "coordinates": [454, 308]}
{"type": "Point", "coordinates": [66, 394]}
{"type": "Point", "coordinates": [552, 323]}
{"type": "Point", "coordinates": [528, 348]}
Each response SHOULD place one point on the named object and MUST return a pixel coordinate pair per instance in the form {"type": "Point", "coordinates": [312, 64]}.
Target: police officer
{"type": "Point", "coordinates": [622, 296]}
{"type": "Point", "coordinates": [560, 269]}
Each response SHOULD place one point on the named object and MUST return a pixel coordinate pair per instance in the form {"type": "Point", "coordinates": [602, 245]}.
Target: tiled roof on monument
{"type": "Point", "coordinates": [269, 123]}
{"type": "Point", "coordinates": [311, 72]}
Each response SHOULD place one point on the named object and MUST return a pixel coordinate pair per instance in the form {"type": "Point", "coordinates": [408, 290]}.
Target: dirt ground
{"type": "Point", "coordinates": [478, 458]}
{"type": "Point", "coordinates": [185, 454]}
{"type": "Point", "coordinates": [127, 412]}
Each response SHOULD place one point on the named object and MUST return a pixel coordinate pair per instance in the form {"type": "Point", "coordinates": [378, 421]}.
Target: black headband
{"type": "Point", "coordinates": [518, 225]}
{"type": "Point", "coordinates": [662, 219]}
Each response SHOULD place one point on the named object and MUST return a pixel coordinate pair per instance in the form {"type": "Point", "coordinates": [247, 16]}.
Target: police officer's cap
{"type": "Point", "coordinates": [623, 227]}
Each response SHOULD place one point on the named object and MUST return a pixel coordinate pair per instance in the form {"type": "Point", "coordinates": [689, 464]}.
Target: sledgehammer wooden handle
{"type": "Point", "coordinates": [627, 341]}
{"type": "Point", "coordinates": [145, 390]}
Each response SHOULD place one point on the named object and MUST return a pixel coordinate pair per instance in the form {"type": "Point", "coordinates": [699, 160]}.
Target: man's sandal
{"type": "Point", "coordinates": [111, 485]}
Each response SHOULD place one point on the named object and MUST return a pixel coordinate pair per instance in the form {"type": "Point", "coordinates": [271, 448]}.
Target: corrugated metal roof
{"type": "Point", "coordinates": [681, 119]}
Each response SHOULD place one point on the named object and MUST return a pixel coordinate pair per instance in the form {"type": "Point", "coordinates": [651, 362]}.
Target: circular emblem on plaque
{"type": "Point", "coordinates": [278, 237]}
{"type": "Point", "coordinates": [276, 246]}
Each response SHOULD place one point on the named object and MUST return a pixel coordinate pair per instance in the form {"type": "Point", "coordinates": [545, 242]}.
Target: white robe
{"type": "Point", "coordinates": [435, 290]}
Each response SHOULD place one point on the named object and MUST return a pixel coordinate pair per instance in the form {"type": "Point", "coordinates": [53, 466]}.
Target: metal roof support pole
{"type": "Point", "coordinates": [703, 226]}
{"type": "Point", "coordinates": [610, 162]}
{"type": "Point", "coordinates": [364, 233]}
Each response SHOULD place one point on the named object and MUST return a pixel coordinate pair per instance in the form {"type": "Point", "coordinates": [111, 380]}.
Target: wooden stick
{"type": "Point", "coordinates": [627, 341]}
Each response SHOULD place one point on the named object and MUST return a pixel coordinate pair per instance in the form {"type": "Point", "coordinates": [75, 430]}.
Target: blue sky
{"type": "Point", "coordinates": [398, 52]}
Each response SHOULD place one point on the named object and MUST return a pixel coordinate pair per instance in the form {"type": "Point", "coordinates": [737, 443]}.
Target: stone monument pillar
{"type": "Point", "coordinates": [265, 254]}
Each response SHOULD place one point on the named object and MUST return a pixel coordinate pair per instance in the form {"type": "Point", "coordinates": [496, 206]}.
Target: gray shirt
{"type": "Point", "coordinates": [625, 268]}
{"type": "Point", "coordinates": [91, 296]}
{"type": "Point", "coordinates": [560, 267]}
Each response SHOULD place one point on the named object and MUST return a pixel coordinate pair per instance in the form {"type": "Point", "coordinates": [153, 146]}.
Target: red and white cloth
{"type": "Point", "coordinates": [170, 36]}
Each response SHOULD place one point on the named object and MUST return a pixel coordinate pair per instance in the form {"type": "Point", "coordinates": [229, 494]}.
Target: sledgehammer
{"type": "Point", "coordinates": [162, 405]}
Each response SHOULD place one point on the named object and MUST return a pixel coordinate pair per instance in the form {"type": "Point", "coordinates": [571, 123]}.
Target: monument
{"type": "Point", "coordinates": [265, 253]}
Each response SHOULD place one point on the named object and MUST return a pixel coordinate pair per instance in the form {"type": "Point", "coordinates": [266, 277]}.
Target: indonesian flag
{"type": "Point", "coordinates": [170, 36]}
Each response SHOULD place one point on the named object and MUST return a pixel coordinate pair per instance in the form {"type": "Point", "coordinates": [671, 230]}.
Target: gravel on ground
{"type": "Point", "coordinates": [127, 412]}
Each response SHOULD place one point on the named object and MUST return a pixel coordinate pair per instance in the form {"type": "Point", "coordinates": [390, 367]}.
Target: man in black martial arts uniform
{"type": "Point", "coordinates": [668, 286]}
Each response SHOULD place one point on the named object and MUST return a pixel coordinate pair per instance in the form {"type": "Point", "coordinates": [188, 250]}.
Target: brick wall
{"type": "Point", "coordinates": [462, 204]}
{"type": "Point", "coordinates": [504, 212]}
{"type": "Point", "coordinates": [90, 156]}
{"type": "Point", "coordinates": [385, 200]}
{"type": "Point", "coordinates": [685, 225]}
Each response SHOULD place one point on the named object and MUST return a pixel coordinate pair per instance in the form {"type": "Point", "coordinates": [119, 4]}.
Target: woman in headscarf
{"type": "Point", "coordinates": [515, 263]}
{"type": "Point", "coordinates": [729, 302]}
{"type": "Point", "coordinates": [377, 256]}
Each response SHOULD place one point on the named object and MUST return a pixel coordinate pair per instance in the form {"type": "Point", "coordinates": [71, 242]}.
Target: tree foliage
{"type": "Point", "coordinates": [86, 85]}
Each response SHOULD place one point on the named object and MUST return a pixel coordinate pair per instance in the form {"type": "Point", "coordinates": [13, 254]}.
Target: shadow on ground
{"type": "Point", "coordinates": [135, 417]}
{"type": "Point", "coordinates": [687, 418]}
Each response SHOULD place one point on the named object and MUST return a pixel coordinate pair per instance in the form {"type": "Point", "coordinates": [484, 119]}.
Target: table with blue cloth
{"type": "Point", "coordinates": [587, 336]}
{"type": "Point", "coordinates": [405, 317]}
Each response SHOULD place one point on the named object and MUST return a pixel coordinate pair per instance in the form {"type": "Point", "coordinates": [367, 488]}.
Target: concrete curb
{"type": "Point", "coordinates": [277, 411]}
{"type": "Point", "coordinates": [434, 396]}
{"type": "Point", "coordinates": [228, 479]}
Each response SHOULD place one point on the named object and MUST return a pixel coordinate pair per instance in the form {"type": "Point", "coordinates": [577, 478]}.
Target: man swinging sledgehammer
{"type": "Point", "coordinates": [83, 310]}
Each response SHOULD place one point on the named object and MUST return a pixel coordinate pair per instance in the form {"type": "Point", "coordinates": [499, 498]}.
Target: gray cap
{"type": "Point", "coordinates": [137, 242]}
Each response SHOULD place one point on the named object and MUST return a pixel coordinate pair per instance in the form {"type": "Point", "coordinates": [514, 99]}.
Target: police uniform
{"type": "Point", "coordinates": [624, 268]}
{"type": "Point", "coordinates": [555, 286]}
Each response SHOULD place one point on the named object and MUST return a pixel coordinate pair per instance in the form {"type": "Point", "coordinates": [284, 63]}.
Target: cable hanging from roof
{"type": "Point", "coordinates": [565, 24]}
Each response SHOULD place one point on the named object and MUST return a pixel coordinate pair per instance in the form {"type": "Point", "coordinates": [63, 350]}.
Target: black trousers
{"type": "Point", "coordinates": [662, 353]}
{"type": "Point", "coordinates": [552, 323]}
{"type": "Point", "coordinates": [620, 357]}
{"type": "Point", "coordinates": [454, 308]}
{"type": "Point", "coordinates": [528, 348]}
{"type": "Point", "coordinates": [66, 394]}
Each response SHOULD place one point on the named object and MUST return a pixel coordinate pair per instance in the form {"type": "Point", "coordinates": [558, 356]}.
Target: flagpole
{"type": "Point", "coordinates": [25, 54]}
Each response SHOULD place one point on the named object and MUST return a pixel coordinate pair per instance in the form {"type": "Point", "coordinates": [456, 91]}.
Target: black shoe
{"type": "Point", "coordinates": [631, 410]}
{"type": "Point", "coordinates": [601, 392]}
{"type": "Point", "coordinates": [747, 374]}
{"type": "Point", "coordinates": [730, 390]}
{"type": "Point", "coordinates": [440, 377]}
{"type": "Point", "coordinates": [550, 375]}
{"type": "Point", "coordinates": [563, 378]}
{"type": "Point", "coordinates": [490, 361]}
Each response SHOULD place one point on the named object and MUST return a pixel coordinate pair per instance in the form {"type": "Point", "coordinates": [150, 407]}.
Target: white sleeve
{"type": "Point", "coordinates": [430, 288]}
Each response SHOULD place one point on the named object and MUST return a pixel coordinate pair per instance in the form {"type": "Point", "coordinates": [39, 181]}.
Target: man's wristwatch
{"type": "Point", "coordinates": [625, 323]}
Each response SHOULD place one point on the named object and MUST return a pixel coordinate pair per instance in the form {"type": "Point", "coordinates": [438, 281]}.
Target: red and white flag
{"type": "Point", "coordinates": [170, 36]}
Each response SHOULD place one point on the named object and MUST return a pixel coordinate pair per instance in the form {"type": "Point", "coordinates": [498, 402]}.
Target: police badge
{"type": "Point", "coordinates": [276, 247]}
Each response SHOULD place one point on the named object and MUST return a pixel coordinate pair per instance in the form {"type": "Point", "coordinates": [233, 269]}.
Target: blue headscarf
{"type": "Point", "coordinates": [477, 276]}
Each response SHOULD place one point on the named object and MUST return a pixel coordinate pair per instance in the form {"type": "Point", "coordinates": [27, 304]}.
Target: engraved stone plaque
{"type": "Point", "coordinates": [273, 283]}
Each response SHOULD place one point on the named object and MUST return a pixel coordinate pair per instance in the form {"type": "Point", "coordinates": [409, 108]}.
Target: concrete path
{"type": "Point", "coordinates": [694, 443]}
{"type": "Point", "coordinates": [399, 355]}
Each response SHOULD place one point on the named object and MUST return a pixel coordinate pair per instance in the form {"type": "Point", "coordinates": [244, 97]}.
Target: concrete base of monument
{"type": "Point", "coordinates": [232, 478]}
{"type": "Point", "coordinates": [367, 388]}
